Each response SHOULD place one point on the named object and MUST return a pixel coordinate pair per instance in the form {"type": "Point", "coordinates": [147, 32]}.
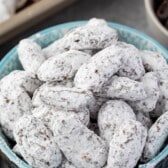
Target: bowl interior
{"type": "Point", "coordinates": [10, 62]}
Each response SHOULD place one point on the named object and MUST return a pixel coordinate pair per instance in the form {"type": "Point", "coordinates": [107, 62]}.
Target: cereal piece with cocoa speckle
{"type": "Point", "coordinates": [47, 114]}
{"type": "Point", "coordinates": [111, 116]}
{"type": "Point", "coordinates": [30, 55]}
{"type": "Point", "coordinates": [81, 146]}
{"type": "Point", "coordinates": [100, 68]}
{"type": "Point", "coordinates": [65, 98]}
{"type": "Point", "coordinates": [36, 143]}
{"type": "Point", "coordinates": [22, 79]}
{"type": "Point", "coordinates": [127, 145]}
{"type": "Point", "coordinates": [124, 88]}
{"type": "Point", "coordinates": [62, 67]}
{"type": "Point", "coordinates": [57, 47]}
{"type": "Point", "coordinates": [94, 35]}
{"type": "Point", "coordinates": [36, 100]}
{"type": "Point", "coordinates": [153, 61]}
{"type": "Point", "coordinates": [150, 83]}
{"type": "Point", "coordinates": [14, 103]}
{"type": "Point", "coordinates": [157, 135]}
{"type": "Point", "coordinates": [162, 74]}
{"type": "Point", "coordinates": [132, 66]}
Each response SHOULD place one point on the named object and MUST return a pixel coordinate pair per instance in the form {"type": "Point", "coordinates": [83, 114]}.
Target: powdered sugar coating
{"type": "Point", "coordinates": [99, 102]}
{"type": "Point", "coordinates": [111, 116]}
{"type": "Point", "coordinates": [36, 143]}
{"type": "Point", "coordinates": [21, 79]}
{"type": "Point", "coordinates": [57, 47]}
{"type": "Point", "coordinates": [150, 83]}
{"type": "Point", "coordinates": [66, 98]}
{"type": "Point", "coordinates": [96, 34]}
{"type": "Point", "coordinates": [161, 107]}
{"type": "Point", "coordinates": [62, 67]}
{"type": "Point", "coordinates": [157, 112]}
{"type": "Point", "coordinates": [162, 74]}
{"type": "Point", "coordinates": [15, 100]}
{"type": "Point", "coordinates": [36, 100]}
{"type": "Point", "coordinates": [127, 145]}
{"type": "Point", "coordinates": [97, 22]}
{"type": "Point", "coordinates": [163, 85]}
{"type": "Point", "coordinates": [47, 114]}
{"type": "Point", "coordinates": [124, 88]}
{"type": "Point", "coordinates": [157, 135]}
{"type": "Point", "coordinates": [66, 164]}
{"type": "Point", "coordinates": [82, 147]}
{"type": "Point", "coordinates": [162, 103]}
{"type": "Point", "coordinates": [132, 66]}
{"type": "Point", "coordinates": [14, 103]}
{"type": "Point", "coordinates": [99, 69]}
{"type": "Point", "coordinates": [153, 61]}
{"type": "Point", "coordinates": [30, 55]}
{"type": "Point", "coordinates": [145, 119]}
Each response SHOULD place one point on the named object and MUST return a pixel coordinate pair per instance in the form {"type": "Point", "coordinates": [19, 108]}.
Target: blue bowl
{"type": "Point", "coordinates": [10, 62]}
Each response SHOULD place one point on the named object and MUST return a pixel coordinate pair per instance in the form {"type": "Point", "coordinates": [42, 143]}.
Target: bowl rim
{"type": "Point", "coordinates": [150, 11]}
{"type": "Point", "coordinates": [6, 150]}
{"type": "Point", "coordinates": [78, 23]}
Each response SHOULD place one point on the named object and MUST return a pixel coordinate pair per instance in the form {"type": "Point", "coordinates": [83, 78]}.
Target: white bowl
{"type": "Point", "coordinates": [158, 30]}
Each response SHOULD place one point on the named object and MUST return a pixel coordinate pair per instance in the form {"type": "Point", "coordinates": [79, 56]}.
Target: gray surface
{"type": "Point", "coordinates": [128, 12]}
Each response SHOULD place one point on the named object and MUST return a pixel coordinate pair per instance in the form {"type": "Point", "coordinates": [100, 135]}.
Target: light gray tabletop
{"type": "Point", "coordinates": [127, 12]}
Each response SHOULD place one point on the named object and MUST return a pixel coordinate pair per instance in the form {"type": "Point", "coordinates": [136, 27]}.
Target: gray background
{"type": "Point", "coordinates": [128, 12]}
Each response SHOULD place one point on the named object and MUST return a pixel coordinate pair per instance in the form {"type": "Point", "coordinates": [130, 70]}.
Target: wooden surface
{"type": "Point", "coordinates": [29, 16]}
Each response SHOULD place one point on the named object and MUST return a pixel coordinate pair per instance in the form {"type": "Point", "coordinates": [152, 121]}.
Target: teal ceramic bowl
{"type": "Point", "coordinates": [10, 62]}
